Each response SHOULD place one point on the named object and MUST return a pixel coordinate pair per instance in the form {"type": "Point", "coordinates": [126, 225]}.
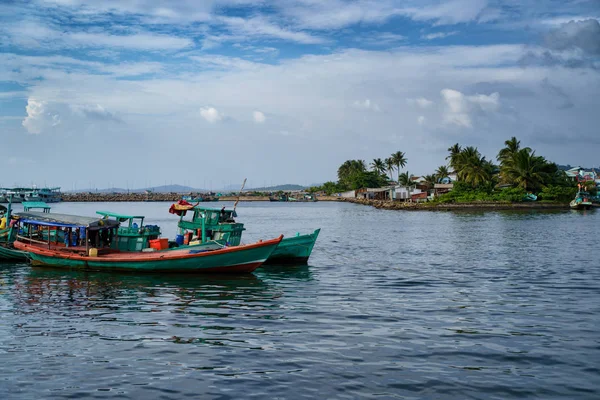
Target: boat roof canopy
{"type": "Point", "coordinates": [65, 220]}
{"type": "Point", "coordinates": [120, 217]}
{"type": "Point", "coordinates": [28, 205]}
{"type": "Point", "coordinates": [202, 208]}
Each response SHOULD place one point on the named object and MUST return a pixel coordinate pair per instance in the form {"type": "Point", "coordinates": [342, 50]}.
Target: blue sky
{"type": "Point", "coordinates": [205, 93]}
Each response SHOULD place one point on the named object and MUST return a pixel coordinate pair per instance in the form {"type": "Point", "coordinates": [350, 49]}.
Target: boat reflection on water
{"type": "Point", "coordinates": [56, 287]}
{"type": "Point", "coordinates": [286, 272]}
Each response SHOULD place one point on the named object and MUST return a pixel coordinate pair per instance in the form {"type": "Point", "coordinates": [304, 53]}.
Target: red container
{"type": "Point", "coordinates": [159, 244]}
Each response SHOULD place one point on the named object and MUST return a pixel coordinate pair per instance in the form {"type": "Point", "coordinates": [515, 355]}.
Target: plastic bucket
{"type": "Point", "coordinates": [179, 239]}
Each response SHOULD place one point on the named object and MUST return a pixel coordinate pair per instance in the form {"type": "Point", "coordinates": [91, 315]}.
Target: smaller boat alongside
{"type": "Point", "coordinates": [582, 201]}
{"type": "Point", "coordinates": [204, 224]}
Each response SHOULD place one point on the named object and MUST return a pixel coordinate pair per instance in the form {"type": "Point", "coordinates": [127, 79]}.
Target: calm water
{"type": "Point", "coordinates": [412, 305]}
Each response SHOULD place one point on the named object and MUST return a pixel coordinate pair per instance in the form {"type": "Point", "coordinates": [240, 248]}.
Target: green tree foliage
{"type": "Point", "coordinates": [330, 187]}
{"type": "Point", "coordinates": [353, 174]}
{"type": "Point", "coordinates": [431, 180]}
{"type": "Point", "coordinates": [390, 165]}
{"type": "Point", "coordinates": [471, 167]}
{"type": "Point", "coordinates": [441, 173]}
{"type": "Point", "coordinates": [378, 165]}
{"type": "Point", "coordinates": [399, 160]}
{"type": "Point", "coordinates": [348, 170]}
{"type": "Point", "coordinates": [454, 151]}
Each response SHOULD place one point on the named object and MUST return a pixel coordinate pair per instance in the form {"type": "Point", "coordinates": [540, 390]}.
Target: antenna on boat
{"type": "Point", "coordinates": [239, 194]}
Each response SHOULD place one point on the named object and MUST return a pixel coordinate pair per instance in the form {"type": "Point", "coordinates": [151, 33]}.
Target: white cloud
{"type": "Point", "coordinates": [39, 118]}
{"type": "Point", "coordinates": [448, 12]}
{"type": "Point", "coordinates": [262, 27]}
{"type": "Point", "coordinates": [421, 102]}
{"type": "Point", "coordinates": [459, 108]}
{"type": "Point", "coordinates": [439, 35]}
{"type": "Point", "coordinates": [367, 104]}
{"type": "Point", "coordinates": [94, 111]}
{"type": "Point", "coordinates": [36, 34]}
{"type": "Point", "coordinates": [421, 120]}
{"type": "Point", "coordinates": [211, 114]}
{"type": "Point", "coordinates": [224, 62]}
{"type": "Point", "coordinates": [259, 117]}
{"type": "Point", "coordinates": [141, 41]}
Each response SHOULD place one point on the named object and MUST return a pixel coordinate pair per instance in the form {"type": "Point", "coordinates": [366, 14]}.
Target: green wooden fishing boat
{"type": "Point", "coordinates": [98, 254]}
{"type": "Point", "coordinates": [206, 224]}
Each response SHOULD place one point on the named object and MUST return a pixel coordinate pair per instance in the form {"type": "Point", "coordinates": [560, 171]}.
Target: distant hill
{"type": "Point", "coordinates": [286, 187]}
{"type": "Point", "coordinates": [155, 189]}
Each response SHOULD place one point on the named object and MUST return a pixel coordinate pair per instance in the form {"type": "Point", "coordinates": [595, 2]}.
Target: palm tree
{"type": "Point", "coordinates": [399, 159]}
{"type": "Point", "coordinates": [378, 165]}
{"type": "Point", "coordinates": [391, 165]}
{"type": "Point", "coordinates": [454, 152]}
{"type": "Point", "coordinates": [472, 168]}
{"type": "Point", "coordinates": [528, 171]}
{"type": "Point", "coordinates": [350, 168]}
{"type": "Point", "coordinates": [512, 147]}
{"type": "Point", "coordinates": [442, 172]}
{"type": "Point", "coordinates": [431, 180]}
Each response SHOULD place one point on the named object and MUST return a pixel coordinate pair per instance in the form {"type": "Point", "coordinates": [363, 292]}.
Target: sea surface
{"type": "Point", "coordinates": [393, 305]}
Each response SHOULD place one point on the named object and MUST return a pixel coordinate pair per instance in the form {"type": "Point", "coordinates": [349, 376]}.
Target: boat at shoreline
{"type": "Point", "coordinates": [97, 254]}
{"type": "Point", "coordinates": [204, 224]}
{"type": "Point", "coordinates": [301, 198]}
{"type": "Point", "coordinates": [8, 232]}
{"type": "Point", "coordinates": [21, 195]}
{"type": "Point", "coordinates": [201, 198]}
{"type": "Point", "coordinates": [582, 201]}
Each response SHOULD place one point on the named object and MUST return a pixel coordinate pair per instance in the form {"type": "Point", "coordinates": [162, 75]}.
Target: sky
{"type": "Point", "coordinates": [140, 93]}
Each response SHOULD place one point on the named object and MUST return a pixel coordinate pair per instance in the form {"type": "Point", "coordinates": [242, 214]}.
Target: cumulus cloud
{"type": "Point", "coordinates": [95, 111]}
{"type": "Point", "coordinates": [259, 117]}
{"type": "Point", "coordinates": [367, 104]}
{"type": "Point", "coordinates": [460, 108]}
{"type": "Point", "coordinates": [211, 114]}
{"type": "Point", "coordinates": [583, 35]}
{"type": "Point", "coordinates": [420, 102]}
{"type": "Point", "coordinates": [39, 118]}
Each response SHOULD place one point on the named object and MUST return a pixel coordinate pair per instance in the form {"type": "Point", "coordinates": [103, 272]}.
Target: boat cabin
{"type": "Point", "coordinates": [36, 205]}
{"type": "Point", "coordinates": [133, 234]}
{"type": "Point", "coordinates": [82, 235]}
{"type": "Point", "coordinates": [206, 224]}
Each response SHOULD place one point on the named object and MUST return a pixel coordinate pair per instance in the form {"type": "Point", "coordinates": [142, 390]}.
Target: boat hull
{"type": "Point", "coordinates": [580, 206]}
{"type": "Point", "coordinates": [7, 253]}
{"type": "Point", "coordinates": [235, 259]}
{"type": "Point", "coordinates": [294, 250]}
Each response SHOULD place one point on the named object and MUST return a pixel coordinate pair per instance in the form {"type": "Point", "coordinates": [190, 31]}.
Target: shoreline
{"type": "Point", "coordinates": [474, 206]}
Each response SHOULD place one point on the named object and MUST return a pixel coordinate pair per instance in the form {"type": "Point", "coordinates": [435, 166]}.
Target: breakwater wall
{"type": "Point", "coordinates": [172, 197]}
{"type": "Point", "coordinates": [474, 206]}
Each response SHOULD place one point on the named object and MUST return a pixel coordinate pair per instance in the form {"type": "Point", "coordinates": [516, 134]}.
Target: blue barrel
{"type": "Point", "coordinates": [179, 239]}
